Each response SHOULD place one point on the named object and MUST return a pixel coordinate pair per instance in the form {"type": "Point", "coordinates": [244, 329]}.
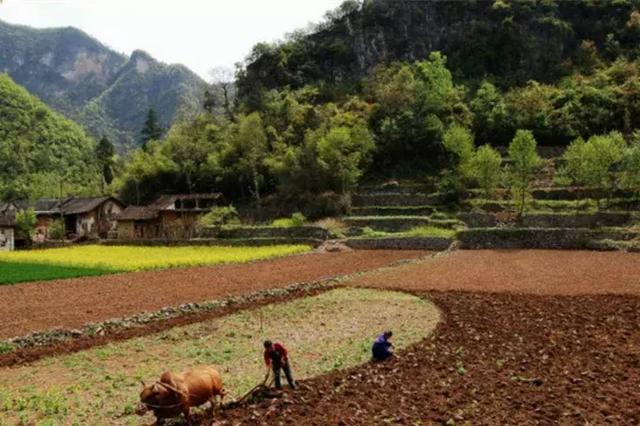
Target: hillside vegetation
{"type": "Point", "coordinates": [374, 89]}
{"type": "Point", "coordinates": [41, 152]}
{"type": "Point", "coordinates": [394, 89]}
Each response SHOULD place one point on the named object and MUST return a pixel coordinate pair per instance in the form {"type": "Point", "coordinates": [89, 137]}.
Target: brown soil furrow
{"type": "Point", "coordinates": [71, 303]}
{"type": "Point", "coordinates": [495, 359]}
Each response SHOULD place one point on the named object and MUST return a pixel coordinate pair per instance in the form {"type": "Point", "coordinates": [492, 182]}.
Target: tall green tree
{"type": "Point", "coordinates": [631, 164]}
{"type": "Point", "coordinates": [485, 166]}
{"type": "Point", "coordinates": [251, 144]}
{"type": "Point", "coordinates": [458, 141]}
{"type": "Point", "coordinates": [188, 146]}
{"type": "Point", "coordinates": [524, 164]}
{"type": "Point", "coordinates": [343, 151]}
{"type": "Point", "coordinates": [490, 119]}
{"type": "Point", "coordinates": [151, 130]}
{"type": "Point", "coordinates": [105, 153]}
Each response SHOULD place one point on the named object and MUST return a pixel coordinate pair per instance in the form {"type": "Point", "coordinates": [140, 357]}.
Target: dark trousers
{"type": "Point", "coordinates": [287, 372]}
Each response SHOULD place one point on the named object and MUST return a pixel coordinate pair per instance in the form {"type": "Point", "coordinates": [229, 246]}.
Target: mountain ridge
{"type": "Point", "coordinates": [107, 92]}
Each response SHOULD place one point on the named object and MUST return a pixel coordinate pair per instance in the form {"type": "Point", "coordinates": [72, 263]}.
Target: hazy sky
{"type": "Point", "coordinates": [198, 33]}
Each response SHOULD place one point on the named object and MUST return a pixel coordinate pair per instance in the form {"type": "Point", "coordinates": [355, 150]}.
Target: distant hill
{"type": "Point", "coordinates": [105, 91]}
{"type": "Point", "coordinates": [40, 149]}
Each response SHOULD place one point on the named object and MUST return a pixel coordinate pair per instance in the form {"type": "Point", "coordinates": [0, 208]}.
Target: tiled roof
{"type": "Point", "coordinates": [137, 213]}
{"type": "Point", "coordinates": [84, 205]}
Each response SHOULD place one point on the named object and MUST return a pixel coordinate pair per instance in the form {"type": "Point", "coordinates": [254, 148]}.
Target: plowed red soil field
{"type": "Point", "coordinates": [535, 337]}
{"type": "Point", "coordinates": [518, 271]}
{"type": "Point", "coordinates": [495, 359]}
{"type": "Point", "coordinates": [71, 303]}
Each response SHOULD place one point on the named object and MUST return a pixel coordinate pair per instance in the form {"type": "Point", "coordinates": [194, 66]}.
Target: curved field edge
{"type": "Point", "coordinates": [42, 265]}
{"type": "Point", "coordinates": [330, 331]}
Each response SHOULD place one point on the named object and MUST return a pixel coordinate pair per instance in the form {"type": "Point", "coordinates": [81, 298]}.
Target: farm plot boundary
{"type": "Point", "coordinates": [41, 344]}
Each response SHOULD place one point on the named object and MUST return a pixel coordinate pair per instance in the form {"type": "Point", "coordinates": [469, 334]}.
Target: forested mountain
{"type": "Point", "coordinates": [41, 152]}
{"type": "Point", "coordinates": [106, 92]}
{"type": "Point", "coordinates": [388, 88]}
{"type": "Point", "coordinates": [510, 41]}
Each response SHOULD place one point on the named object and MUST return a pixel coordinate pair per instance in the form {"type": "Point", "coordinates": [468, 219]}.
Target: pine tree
{"type": "Point", "coordinates": [151, 130]}
{"type": "Point", "coordinates": [104, 156]}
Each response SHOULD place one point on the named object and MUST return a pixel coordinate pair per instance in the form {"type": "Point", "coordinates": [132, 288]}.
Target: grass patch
{"type": "Point", "coordinates": [296, 219]}
{"type": "Point", "coordinates": [419, 231]}
{"type": "Point", "coordinates": [69, 262]}
{"type": "Point", "coordinates": [430, 231]}
{"type": "Point", "coordinates": [17, 272]}
{"type": "Point", "coordinates": [331, 331]}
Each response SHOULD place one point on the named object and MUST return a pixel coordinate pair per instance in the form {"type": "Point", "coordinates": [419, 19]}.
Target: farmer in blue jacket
{"type": "Point", "coordinates": [381, 348]}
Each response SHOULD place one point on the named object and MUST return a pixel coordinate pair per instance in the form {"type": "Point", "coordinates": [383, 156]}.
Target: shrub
{"type": "Point", "coordinates": [296, 219]}
{"type": "Point", "coordinates": [26, 221]}
{"type": "Point", "coordinates": [219, 216]}
{"type": "Point", "coordinates": [56, 230]}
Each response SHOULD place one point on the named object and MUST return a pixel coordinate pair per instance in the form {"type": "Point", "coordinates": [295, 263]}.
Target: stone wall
{"type": "Point", "coordinates": [478, 220]}
{"type": "Point", "coordinates": [397, 224]}
{"type": "Point", "coordinates": [314, 232]}
{"type": "Point", "coordinates": [7, 237]}
{"type": "Point", "coordinates": [240, 242]}
{"type": "Point", "coordinates": [551, 220]}
{"type": "Point", "coordinates": [393, 211]}
{"type": "Point", "coordinates": [395, 199]}
{"type": "Point", "coordinates": [579, 193]}
{"type": "Point", "coordinates": [535, 238]}
{"type": "Point", "coordinates": [575, 220]}
{"type": "Point", "coordinates": [409, 243]}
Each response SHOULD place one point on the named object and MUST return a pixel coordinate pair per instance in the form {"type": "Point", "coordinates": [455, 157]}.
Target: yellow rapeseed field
{"type": "Point", "coordinates": [130, 258]}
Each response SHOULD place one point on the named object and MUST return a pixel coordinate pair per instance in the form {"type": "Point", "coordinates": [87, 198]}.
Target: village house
{"type": "Point", "coordinates": [83, 217]}
{"type": "Point", "coordinates": [170, 216]}
{"type": "Point", "coordinates": [7, 233]}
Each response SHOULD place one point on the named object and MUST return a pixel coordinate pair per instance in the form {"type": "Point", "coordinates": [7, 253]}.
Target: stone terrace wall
{"type": "Point", "coordinates": [528, 238]}
{"type": "Point", "coordinates": [315, 232]}
{"type": "Point", "coordinates": [408, 243]}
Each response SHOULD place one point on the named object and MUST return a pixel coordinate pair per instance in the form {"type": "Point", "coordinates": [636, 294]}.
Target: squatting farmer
{"type": "Point", "coordinates": [382, 347]}
{"type": "Point", "coordinates": [276, 358]}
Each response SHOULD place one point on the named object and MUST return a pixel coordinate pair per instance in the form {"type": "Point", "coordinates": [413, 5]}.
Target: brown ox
{"type": "Point", "coordinates": [175, 394]}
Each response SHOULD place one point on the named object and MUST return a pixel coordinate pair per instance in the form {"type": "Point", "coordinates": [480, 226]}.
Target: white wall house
{"type": "Point", "coordinates": [7, 236]}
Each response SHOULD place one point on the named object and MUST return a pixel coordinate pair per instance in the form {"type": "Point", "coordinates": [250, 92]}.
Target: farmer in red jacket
{"type": "Point", "coordinates": [276, 358]}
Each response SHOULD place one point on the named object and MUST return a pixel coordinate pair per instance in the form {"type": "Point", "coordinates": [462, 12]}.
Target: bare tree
{"type": "Point", "coordinates": [224, 77]}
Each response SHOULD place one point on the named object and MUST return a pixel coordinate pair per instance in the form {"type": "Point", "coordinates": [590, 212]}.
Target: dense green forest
{"type": "Point", "coordinates": [41, 152]}
{"type": "Point", "coordinates": [386, 88]}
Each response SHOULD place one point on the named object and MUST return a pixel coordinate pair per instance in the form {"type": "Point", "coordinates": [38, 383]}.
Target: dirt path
{"type": "Point", "coordinates": [495, 359]}
{"type": "Point", "coordinates": [550, 272]}
{"type": "Point", "coordinates": [72, 303]}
